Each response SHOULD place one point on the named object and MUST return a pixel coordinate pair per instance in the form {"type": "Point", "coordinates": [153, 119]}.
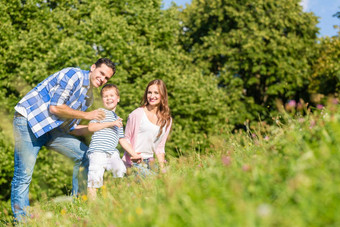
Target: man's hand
{"type": "Point", "coordinates": [96, 115]}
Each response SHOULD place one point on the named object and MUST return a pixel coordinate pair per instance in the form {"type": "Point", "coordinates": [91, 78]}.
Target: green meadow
{"type": "Point", "coordinates": [280, 175]}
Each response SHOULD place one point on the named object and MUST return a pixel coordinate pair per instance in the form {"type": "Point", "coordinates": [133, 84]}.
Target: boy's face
{"type": "Point", "coordinates": [110, 99]}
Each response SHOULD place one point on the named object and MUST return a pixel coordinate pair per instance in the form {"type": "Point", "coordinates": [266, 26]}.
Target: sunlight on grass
{"type": "Point", "coordinates": [283, 175]}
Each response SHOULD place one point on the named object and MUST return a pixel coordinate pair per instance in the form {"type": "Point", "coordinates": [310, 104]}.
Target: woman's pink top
{"type": "Point", "coordinates": [131, 132]}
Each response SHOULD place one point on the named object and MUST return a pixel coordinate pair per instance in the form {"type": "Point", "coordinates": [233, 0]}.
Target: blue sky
{"type": "Point", "coordinates": [324, 9]}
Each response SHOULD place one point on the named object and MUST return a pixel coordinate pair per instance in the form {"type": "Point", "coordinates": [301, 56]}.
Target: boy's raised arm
{"type": "Point", "coordinates": [96, 126]}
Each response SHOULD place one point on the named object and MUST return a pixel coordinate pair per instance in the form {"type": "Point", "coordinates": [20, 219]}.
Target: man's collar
{"type": "Point", "coordinates": [87, 78]}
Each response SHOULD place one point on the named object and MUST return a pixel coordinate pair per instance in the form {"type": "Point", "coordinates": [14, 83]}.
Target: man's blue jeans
{"type": "Point", "coordinates": [27, 147]}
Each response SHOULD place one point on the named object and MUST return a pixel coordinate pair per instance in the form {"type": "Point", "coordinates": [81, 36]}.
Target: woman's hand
{"type": "Point", "coordinates": [136, 158]}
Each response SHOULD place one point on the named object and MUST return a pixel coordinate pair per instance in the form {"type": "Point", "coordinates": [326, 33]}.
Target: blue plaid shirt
{"type": "Point", "coordinates": [68, 86]}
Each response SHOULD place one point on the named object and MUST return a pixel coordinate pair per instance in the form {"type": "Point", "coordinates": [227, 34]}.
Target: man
{"type": "Point", "coordinates": [46, 116]}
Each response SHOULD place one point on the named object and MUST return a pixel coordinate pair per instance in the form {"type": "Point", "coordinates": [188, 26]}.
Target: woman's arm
{"type": "Point", "coordinates": [128, 148]}
{"type": "Point", "coordinates": [160, 150]}
{"type": "Point", "coordinates": [161, 159]}
{"type": "Point", "coordinates": [161, 146]}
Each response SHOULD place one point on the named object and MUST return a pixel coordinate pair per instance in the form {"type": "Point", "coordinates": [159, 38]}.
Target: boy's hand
{"type": "Point", "coordinates": [118, 122]}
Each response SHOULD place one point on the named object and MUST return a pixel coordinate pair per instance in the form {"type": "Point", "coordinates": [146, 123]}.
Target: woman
{"type": "Point", "coordinates": [148, 127]}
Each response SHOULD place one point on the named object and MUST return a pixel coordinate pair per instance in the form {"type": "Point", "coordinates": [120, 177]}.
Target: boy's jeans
{"type": "Point", "coordinates": [27, 147]}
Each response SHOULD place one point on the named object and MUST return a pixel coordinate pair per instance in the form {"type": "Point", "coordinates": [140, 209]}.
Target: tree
{"type": "Point", "coordinates": [266, 44]}
{"type": "Point", "coordinates": [325, 79]}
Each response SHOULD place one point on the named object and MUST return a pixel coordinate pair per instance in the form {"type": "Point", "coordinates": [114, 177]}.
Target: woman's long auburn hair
{"type": "Point", "coordinates": [163, 112]}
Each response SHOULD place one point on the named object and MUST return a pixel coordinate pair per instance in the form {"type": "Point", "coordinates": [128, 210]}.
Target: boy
{"type": "Point", "coordinates": [102, 152]}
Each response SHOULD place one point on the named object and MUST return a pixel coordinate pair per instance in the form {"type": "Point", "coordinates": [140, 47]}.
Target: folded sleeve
{"type": "Point", "coordinates": [161, 146]}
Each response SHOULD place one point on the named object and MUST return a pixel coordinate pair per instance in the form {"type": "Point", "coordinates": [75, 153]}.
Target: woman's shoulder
{"type": "Point", "coordinates": [136, 112]}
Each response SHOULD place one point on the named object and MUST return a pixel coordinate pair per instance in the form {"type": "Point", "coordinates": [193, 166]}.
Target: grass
{"type": "Point", "coordinates": [283, 175]}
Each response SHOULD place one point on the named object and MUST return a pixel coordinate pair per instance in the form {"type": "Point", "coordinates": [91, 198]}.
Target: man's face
{"type": "Point", "coordinates": [100, 75]}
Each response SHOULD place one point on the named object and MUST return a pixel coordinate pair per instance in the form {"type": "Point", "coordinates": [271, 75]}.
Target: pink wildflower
{"type": "Point", "coordinates": [312, 124]}
{"type": "Point", "coordinates": [335, 101]}
{"type": "Point", "coordinates": [226, 160]}
{"type": "Point", "coordinates": [292, 103]}
{"type": "Point", "coordinates": [246, 168]}
{"type": "Point", "coordinates": [319, 106]}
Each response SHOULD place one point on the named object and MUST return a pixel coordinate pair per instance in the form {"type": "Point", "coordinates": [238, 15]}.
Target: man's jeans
{"type": "Point", "coordinates": [27, 147]}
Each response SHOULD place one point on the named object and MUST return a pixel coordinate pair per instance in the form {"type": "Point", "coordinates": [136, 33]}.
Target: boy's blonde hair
{"type": "Point", "coordinates": [109, 86]}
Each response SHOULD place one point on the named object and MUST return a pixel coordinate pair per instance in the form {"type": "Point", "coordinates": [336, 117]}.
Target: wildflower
{"type": "Point", "coordinates": [84, 198]}
{"type": "Point", "coordinates": [139, 210]}
{"type": "Point", "coordinates": [49, 215]}
{"type": "Point", "coordinates": [34, 216]}
{"type": "Point", "coordinates": [312, 124]}
{"type": "Point", "coordinates": [104, 191]}
{"type": "Point", "coordinates": [164, 170]}
{"type": "Point", "coordinates": [335, 101]}
{"type": "Point", "coordinates": [63, 211]}
{"type": "Point", "coordinates": [264, 210]}
{"type": "Point", "coordinates": [319, 106]}
{"type": "Point", "coordinates": [291, 105]}
{"type": "Point", "coordinates": [266, 138]}
{"type": "Point", "coordinates": [299, 106]}
{"type": "Point", "coordinates": [130, 218]}
{"type": "Point", "coordinates": [246, 168]}
{"type": "Point", "coordinates": [226, 160]}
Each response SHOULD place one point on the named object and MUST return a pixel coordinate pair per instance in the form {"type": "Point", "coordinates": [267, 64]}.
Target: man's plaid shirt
{"type": "Point", "coordinates": [68, 86]}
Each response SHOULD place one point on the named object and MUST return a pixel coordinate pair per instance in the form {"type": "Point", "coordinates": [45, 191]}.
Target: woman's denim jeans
{"type": "Point", "coordinates": [146, 168]}
{"type": "Point", "coordinates": [27, 147]}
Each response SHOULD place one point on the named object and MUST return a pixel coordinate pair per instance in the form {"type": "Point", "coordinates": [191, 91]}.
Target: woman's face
{"type": "Point", "coordinates": [153, 95]}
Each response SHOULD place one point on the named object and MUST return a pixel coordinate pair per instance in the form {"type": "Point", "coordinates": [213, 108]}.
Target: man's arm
{"type": "Point", "coordinates": [65, 111]}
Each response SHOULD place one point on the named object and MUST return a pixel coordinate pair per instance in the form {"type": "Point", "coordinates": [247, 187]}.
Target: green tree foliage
{"type": "Point", "coordinates": [325, 79]}
{"type": "Point", "coordinates": [326, 70]}
{"type": "Point", "coordinates": [265, 47]}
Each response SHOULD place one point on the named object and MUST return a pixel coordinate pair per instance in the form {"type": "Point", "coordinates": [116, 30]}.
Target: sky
{"type": "Point", "coordinates": [324, 9]}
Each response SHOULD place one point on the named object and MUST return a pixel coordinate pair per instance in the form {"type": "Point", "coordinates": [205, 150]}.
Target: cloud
{"type": "Point", "coordinates": [304, 4]}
